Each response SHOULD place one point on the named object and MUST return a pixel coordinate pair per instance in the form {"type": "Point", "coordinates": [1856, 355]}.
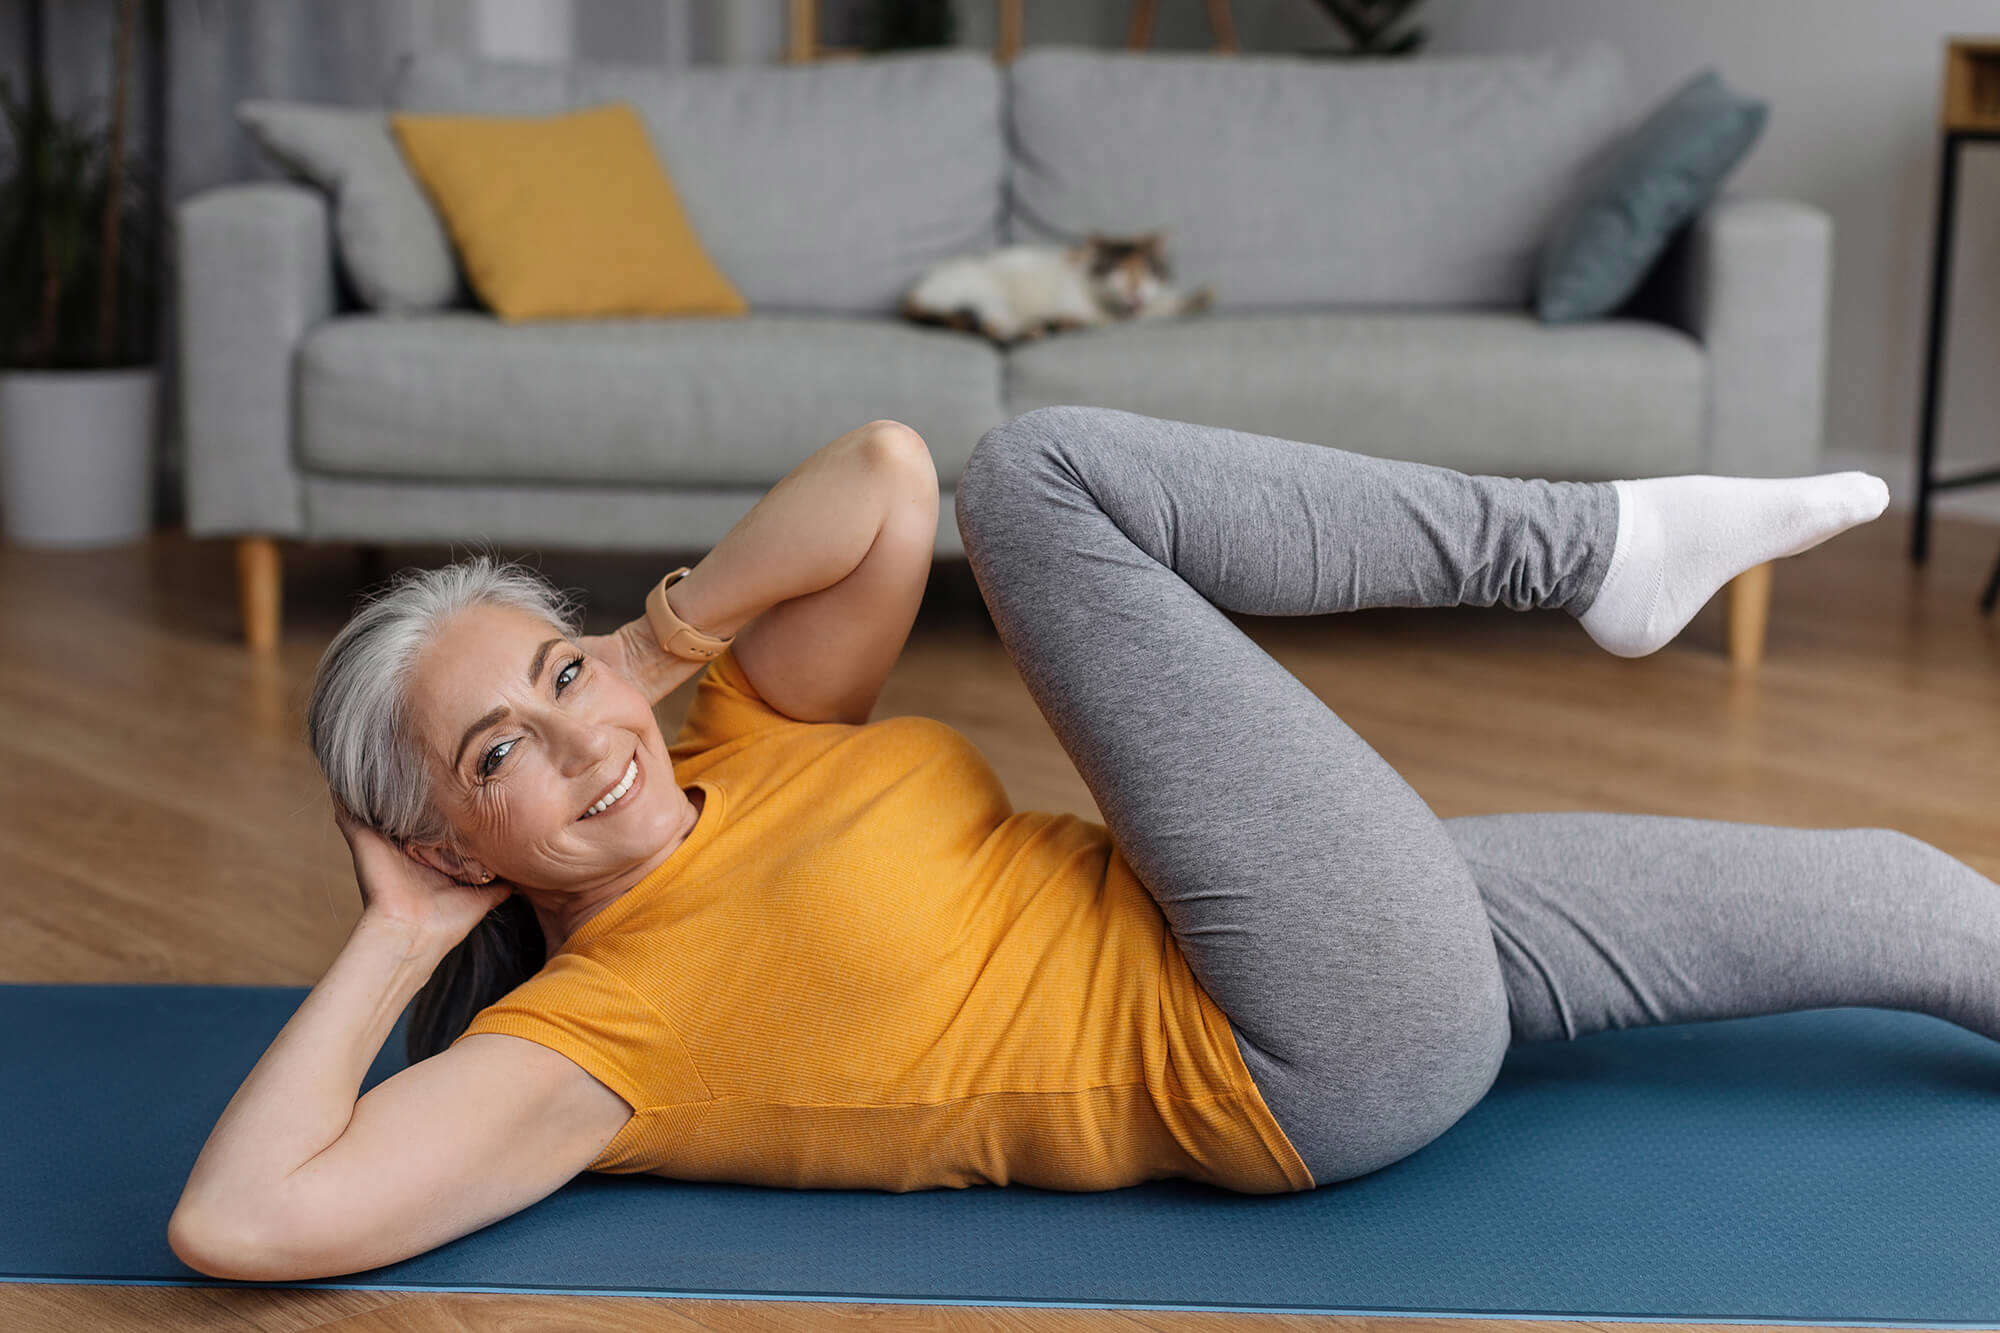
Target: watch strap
{"type": "Point", "coordinates": [675, 635]}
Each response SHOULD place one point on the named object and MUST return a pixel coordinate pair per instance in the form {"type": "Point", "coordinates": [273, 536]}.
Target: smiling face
{"type": "Point", "coordinates": [524, 733]}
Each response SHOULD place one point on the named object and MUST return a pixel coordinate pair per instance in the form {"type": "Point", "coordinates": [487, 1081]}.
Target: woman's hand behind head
{"type": "Point", "coordinates": [396, 886]}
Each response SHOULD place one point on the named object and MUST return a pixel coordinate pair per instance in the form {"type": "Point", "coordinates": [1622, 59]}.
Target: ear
{"type": "Point", "coordinates": [1154, 241]}
{"type": "Point", "coordinates": [464, 869]}
{"type": "Point", "coordinates": [1096, 240]}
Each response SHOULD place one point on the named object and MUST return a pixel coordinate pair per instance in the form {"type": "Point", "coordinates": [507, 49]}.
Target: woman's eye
{"type": "Point", "coordinates": [486, 765]}
{"type": "Point", "coordinates": [494, 755]}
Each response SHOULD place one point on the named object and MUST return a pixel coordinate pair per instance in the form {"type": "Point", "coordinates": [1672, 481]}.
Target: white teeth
{"type": "Point", "coordinates": [611, 797]}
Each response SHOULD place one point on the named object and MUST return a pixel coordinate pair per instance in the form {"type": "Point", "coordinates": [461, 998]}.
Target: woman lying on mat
{"type": "Point", "coordinates": [799, 948]}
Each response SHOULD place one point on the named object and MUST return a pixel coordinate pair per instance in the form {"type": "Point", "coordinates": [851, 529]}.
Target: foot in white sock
{"type": "Point", "coordinates": [1682, 538]}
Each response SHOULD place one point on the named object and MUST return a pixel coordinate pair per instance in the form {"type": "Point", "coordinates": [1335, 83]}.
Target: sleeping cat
{"type": "Point", "coordinates": [1024, 291]}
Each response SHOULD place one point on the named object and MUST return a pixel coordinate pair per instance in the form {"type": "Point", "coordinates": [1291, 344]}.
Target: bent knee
{"type": "Point", "coordinates": [1040, 429]}
{"type": "Point", "coordinates": [1003, 446]}
{"type": "Point", "coordinates": [1061, 419]}
{"type": "Point", "coordinates": [1004, 471]}
{"type": "Point", "coordinates": [1021, 457]}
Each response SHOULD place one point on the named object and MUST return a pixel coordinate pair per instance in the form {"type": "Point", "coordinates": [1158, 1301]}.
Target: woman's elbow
{"type": "Point", "coordinates": [893, 439]}
{"type": "Point", "coordinates": [214, 1250]}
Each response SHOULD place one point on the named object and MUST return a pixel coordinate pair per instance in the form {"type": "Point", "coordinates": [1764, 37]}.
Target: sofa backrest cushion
{"type": "Point", "coordinates": [1291, 181]}
{"type": "Point", "coordinates": [389, 240]}
{"type": "Point", "coordinates": [814, 187]}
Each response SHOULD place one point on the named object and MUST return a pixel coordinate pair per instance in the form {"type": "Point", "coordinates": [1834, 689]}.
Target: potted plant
{"type": "Point", "coordinates": [78, 385]}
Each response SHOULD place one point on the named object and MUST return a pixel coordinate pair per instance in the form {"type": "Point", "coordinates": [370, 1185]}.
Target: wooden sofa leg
{"type": "Point", "coordinates": [1749, 612]}
{"type": "Point", "coordinates": [259, 583]}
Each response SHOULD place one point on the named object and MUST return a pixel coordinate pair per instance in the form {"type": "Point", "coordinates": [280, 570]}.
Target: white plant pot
{"type": "Point", "coordinates": [76, 456]}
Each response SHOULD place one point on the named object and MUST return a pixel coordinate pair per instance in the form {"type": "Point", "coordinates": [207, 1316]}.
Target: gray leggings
{"type": "Point", "coordinates": [1375, 961]}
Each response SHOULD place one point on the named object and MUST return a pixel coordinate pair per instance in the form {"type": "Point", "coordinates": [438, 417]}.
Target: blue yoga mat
{"type": "Point", "coordinates": [1834, 1166]}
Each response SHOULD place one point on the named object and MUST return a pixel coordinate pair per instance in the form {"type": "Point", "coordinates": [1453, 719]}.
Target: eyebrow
{"type": "Point", "coordinates": [534, 674]}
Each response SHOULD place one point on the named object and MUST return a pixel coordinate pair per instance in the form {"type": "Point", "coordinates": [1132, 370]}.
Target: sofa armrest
{"type": "Point", "coordinates": [1750, 278]}
{"type": "Point", "coordinates": [255, 272]}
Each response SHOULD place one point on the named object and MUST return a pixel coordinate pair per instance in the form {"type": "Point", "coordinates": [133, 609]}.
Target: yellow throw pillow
{"type": "Point", "coordinates": [564, 216]}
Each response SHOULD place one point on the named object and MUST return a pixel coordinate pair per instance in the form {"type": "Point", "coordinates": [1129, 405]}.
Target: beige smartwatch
{"type": "Point", "coordinates": [676, 636]}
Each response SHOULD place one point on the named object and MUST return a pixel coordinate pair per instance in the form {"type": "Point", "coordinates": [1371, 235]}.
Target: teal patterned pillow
{"type": "Point", "coordinates": [1663, 174]}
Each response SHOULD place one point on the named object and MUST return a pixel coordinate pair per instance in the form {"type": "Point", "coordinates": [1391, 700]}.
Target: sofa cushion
{"type": "Point", "coordinates": [388, 239]}
{"type": "Point", "coordinates": [700, 402]}
{"type": "Point", "coordinates": [815, 187]}
{"type": "Point", "coordinates": [1289, 181]}
{"type": "Point", "coordinates": [565, 216]}
{"type": "Point", "coordinates": [602, 516]}
{"type": "Point", "coordinates": [1662, 174]}
{"type": "Point", "coordinates": [1494, 392]}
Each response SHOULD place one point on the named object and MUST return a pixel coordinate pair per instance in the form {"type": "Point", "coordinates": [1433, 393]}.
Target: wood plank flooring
{"type": "Point", "coordinates": [165, 823]}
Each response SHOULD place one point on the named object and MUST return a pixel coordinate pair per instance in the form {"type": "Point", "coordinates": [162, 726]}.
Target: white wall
{"type": "Point", "coordinates": [1854, 91]}
{"type": "Point", "coordinates": [533, 30]}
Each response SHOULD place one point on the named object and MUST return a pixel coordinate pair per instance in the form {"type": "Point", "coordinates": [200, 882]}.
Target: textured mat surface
{"type": "Point", "coordinates": [1836, 1166]}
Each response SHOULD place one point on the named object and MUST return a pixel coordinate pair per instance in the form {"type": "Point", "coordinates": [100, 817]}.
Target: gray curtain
{"type": "Point", "coordinates": [218, 52]}
{"type": "Point", "coordinates": [222, 51]}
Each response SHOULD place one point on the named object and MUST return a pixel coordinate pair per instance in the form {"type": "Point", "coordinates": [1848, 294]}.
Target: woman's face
{"type": "Point", "coordinates": [524, 733]}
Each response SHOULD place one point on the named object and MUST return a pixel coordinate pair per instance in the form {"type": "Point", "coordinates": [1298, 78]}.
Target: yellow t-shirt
{"type": "Point", "coordinates": [864, 970]}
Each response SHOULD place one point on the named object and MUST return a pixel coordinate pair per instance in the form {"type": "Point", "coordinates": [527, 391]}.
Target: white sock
{"type": "Point", "coordinates": [1682, 538]}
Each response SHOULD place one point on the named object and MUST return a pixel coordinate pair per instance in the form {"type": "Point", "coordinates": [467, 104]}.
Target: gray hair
{"type": "Point", "coordinates": [359, 721]}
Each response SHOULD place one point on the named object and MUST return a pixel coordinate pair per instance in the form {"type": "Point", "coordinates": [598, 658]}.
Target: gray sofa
{"type": "Point", "coordinates": [1371, 230]}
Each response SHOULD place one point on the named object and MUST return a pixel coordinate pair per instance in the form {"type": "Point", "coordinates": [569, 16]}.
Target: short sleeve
{"type": "Point", "coordinates": [725, 706]}
{"type": "Point", "coordinates": [577, 1007]}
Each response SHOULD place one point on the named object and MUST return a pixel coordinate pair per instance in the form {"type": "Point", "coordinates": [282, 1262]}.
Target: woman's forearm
{"type": "Point", "coordinates": [808, 532]}
{"type": "Point", "coordinates": [300, 1096]}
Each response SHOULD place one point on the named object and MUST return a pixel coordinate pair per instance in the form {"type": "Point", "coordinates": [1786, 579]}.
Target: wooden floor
{"type": "Point", "coordinates": [165, 822]}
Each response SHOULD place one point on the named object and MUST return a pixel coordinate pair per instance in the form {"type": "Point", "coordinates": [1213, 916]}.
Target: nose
{"type": "Point", "coordinates": [584, 744]}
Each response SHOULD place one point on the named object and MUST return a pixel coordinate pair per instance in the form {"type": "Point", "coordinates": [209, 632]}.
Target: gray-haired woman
{"type": "Point", "coordinates": [843, 960]}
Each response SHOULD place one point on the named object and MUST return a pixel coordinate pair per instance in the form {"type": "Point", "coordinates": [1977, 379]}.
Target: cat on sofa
{"type": "Point", "coordinates": [1020, 292]}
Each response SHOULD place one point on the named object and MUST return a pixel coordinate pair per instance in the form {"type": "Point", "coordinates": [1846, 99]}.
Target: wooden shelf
{"type": "Point", "coordinates": [1971, 84]}
{"type": "Point", "coordinates": [802, 30]}
{"type": "Point", "coordinates": [802, 33]}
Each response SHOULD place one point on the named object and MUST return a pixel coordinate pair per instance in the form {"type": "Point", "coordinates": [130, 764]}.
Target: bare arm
{"type": "Point", "coordinates": [808, 532]}
{"type": "Point", "coordinates": [300, 1096]}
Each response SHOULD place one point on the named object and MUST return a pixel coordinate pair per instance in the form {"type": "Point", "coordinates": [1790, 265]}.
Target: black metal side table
{"type": "Point", "coordinates": [1970, 114]}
